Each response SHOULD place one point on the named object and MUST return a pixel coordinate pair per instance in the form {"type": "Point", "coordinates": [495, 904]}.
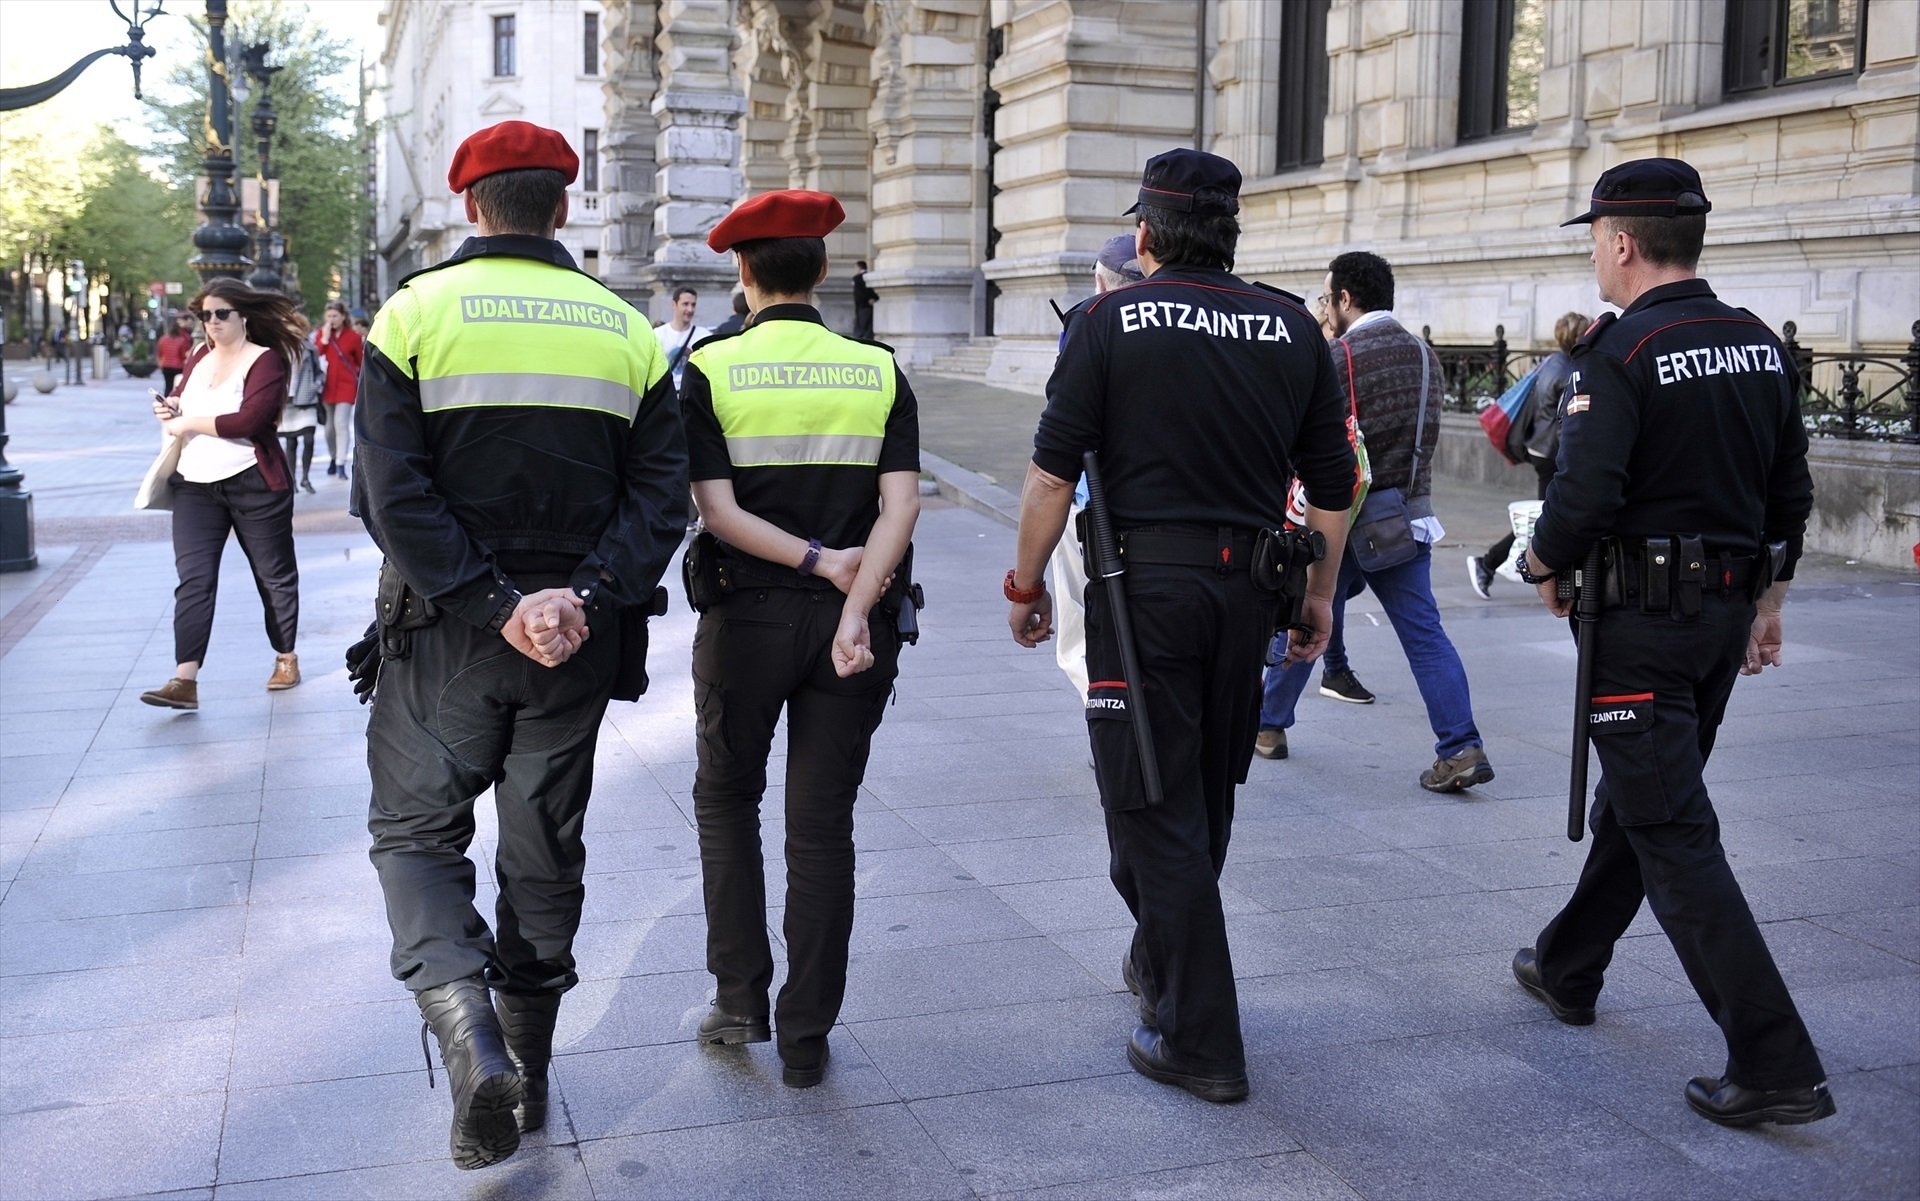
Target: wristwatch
{"type": "Point", "coordinates": [1536, 580]}
{"type": "Point", "coordinates": [505, 611]}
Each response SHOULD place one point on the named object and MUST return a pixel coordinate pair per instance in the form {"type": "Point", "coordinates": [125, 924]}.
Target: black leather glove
{"type": "Point", "coordinates": [363, 663]}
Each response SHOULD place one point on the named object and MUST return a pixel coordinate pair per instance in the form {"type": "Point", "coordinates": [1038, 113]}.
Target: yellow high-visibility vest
{"type": "Point", "coordinates": [796, 394]}
{"type": "Point", "coordinates": [502, 330]}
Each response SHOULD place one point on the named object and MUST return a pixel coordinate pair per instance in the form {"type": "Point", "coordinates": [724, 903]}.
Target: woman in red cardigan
{"type": "Point", "coordinates": [341, 350]}
{"type": "Point", "coordinates": [232, 476]}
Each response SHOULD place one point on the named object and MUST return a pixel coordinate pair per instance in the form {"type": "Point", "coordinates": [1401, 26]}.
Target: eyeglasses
{"type": "Point", "coordinates": [1320, 301]}
{"type": "Point", "coordinates": [205, 315]}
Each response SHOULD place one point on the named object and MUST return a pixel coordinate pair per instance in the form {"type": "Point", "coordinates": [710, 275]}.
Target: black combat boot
{"type": "Point", "coordinates": [527, 1023]}
{"type": "Point", "coordinates": [485, 1085]}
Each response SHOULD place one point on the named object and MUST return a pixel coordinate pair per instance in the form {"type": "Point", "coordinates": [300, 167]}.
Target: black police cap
{"type": "Point", "coordinates": [1647, 187]}
{"type": "Point", "coordinates": [1173, 177]}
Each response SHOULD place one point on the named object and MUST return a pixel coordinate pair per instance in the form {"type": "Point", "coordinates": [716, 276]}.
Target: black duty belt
{"type": "Point", "coordinates": [1225, 549]}
{"type": "Point", "coordinates": [1671, 574]}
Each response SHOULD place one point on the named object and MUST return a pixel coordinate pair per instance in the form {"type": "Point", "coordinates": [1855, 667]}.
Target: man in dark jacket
{"type": "Point", "coordinates": [1188, 487]}
{"type": "Point", "coordinates": [1684, 455]}
{"type": "Point", "coordinates": [523, 469]}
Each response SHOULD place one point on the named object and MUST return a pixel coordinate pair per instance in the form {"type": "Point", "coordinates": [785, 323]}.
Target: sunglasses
{"type": "Point", "coordinates": [205, 315]}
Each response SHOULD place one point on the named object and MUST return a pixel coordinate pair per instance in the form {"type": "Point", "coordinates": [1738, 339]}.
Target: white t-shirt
{"type": "Point", "coordinates": [671, 340]}
{"type": "Point", "coordinates": [206, 459]}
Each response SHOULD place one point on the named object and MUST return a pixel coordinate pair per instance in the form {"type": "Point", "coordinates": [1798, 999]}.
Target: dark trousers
{"type": "Point", "coordinates": [1655, 835]}
{"type": "Point", "coordinates": [301, 441]}
{"type": "Point", "coordinates": [167, 376]}
{"type": "Point", "coordinates": [1498, 552]}
{"type": "Point", "coordinates": [463, 711]}
{"type": "Point", "coordinates": [1200, 637]}
{"type": "Point", "coordinates": [755, 653]}
{"type": "Point", "coordinates": [262, 520]}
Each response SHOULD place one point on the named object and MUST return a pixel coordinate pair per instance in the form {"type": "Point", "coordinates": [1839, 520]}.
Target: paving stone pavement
{"type": "Point", "coordinates": [194, 998]}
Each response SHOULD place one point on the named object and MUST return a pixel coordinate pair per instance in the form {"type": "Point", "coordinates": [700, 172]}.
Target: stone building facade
{"type": "Point", "coordinates": [449, 67]}
{"type": "Point", "coordinates": [984, 148]}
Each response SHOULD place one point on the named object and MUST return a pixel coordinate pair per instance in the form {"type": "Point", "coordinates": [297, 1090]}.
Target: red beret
{"type": "Point", "coordinates": [789, 214]}
{"type": "Point", "coordinates": [511, 146]}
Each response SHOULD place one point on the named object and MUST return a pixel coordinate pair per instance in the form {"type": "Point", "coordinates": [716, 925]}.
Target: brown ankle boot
{"type": "Point", "coordinates": [286, 672]}
{"type": "Point", "coordinates": [174, 694]}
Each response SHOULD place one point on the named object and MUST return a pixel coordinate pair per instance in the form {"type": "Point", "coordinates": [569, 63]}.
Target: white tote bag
{"type": "Point", "coordinates": [156, 490]}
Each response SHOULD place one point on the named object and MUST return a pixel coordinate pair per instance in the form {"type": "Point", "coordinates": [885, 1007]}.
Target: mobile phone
{"type": "Point", "coordinates": [168, 402]}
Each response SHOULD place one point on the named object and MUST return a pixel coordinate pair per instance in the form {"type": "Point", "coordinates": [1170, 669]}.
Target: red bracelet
{"type": "Point", "coordinates": [1023, 596]}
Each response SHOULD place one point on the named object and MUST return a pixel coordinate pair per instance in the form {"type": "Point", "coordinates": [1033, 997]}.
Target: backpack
{"type": "Point", "coordinates": [1508, 420]}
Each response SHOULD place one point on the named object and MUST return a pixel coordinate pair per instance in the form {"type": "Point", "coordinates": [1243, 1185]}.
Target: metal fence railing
{"type": "Point", "coordinates": [1858, 395]}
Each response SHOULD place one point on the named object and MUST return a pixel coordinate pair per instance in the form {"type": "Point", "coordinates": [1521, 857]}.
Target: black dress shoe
{"type": "Point", "coordinates": [808, 1074]}
{"type": "Point", "coordinates": [1526, 969]}
{"type": "Point", "coordinates": [1147, 1055]}
{"type": "Point", "coordinates": [1720, 1100]}
{"type": "Point", "coordinates": [1149, 1012]}
{"type": "Point", "coordinates": [729, 1029]}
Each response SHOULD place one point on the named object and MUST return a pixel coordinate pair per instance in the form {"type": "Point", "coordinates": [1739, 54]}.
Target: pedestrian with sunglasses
{"type": "Point", "coordinates": [232, 476]}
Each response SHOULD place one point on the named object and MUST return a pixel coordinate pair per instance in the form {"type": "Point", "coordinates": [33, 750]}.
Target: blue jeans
{"type": "Point", "coordinates": [1406, 593]}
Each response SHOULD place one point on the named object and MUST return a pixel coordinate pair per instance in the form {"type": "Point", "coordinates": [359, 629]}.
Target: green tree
{"type": "Point", "coordinates": [40, 198]}
{"type": "Point", "coordinates": [132, 227]}
{"type": "Point", "coordinates": [315, 155]}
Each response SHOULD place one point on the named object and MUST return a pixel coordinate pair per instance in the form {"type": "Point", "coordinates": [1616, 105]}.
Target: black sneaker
{"type": "Point", "coordinates": [1342, 686]}
{"type": "Point", "coordinates": [1479, 576]}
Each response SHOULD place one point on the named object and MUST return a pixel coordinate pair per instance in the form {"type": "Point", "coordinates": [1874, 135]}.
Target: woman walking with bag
{"type": "Point", "coordinates": [340, 351]}
{"type": "Point", "coordinates": [232, 475]}
{"type": "Point", "coordinates": [1542, 438]}
{"type": "Point", "coordinates": [302, 415]}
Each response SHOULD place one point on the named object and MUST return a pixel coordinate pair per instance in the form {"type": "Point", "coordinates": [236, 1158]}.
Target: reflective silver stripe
{"type": "Point", "coordinates": [527, 388]}
{"type": "Point", "coordinates": [787, 450]}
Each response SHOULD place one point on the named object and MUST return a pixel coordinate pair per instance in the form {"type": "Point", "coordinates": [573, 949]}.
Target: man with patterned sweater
{"type": "Point", "coordinates": [1394, 382]}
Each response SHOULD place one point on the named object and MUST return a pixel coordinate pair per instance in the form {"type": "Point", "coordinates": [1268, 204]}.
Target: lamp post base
{"type": "Point", "coordinates": [16, 532]}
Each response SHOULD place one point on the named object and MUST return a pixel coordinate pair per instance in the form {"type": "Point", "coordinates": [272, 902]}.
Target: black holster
{"type": "Point", "coordinates": [904, 599]}
{"type": "Point", "coordinates": [702, 573]}
{"type": "Point", "coordinates": [630, 679]}
{"type": "Point", "coordinates": [400, 610]}
{"type": "Point", "coordinates": [1280, 562]}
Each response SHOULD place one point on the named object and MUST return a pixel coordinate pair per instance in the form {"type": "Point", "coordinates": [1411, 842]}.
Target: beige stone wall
{"type": "Point", "coordinates": [1815, 220]}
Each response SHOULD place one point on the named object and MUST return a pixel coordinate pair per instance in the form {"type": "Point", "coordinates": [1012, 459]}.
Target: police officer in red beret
{"type": "Point", "coordinates": [522, 467]}
{"type": "Point", "coordinates": [804, 449]}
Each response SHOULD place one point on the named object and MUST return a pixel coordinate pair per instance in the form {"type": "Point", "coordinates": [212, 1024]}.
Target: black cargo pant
{"type": "Point", "coordinates": [1660, 691]}
{"type": "Point", "coordinates": [1201, 636]}
{"type": "Point", "coordinates": [262, 520]}
{"type": "Point", "coordinates": [755, 653]}
{"type": "Point", "coordinates": [463, 711]}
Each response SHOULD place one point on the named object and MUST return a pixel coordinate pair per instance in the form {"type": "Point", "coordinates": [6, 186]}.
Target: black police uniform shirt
{"type": "Point", "coordinates": [1203, 395]}
{"type": "Point", "coordinates": [836, 504]}
{"type": "Point", "coordinates": [1682, 418]}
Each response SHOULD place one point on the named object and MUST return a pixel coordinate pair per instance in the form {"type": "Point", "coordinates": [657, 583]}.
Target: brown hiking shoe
{"type": "Point", "coordinates": [174, 694]}
{"type": "Point", "coordinates": [286, 672]}
{"type": "Point", "coordinates": [1456, 772]}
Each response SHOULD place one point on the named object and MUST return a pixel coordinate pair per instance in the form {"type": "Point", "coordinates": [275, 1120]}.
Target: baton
{"type": "Point", "coordinates": [1586, 625]}
{"type": "Point", "coordinates": [1107, 565]}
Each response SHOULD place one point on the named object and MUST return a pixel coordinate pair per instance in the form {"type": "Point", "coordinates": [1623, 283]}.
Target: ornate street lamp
{"type": "Point", "coordinates": [220, 240]}
{"type": "Point", "coordinates": [16, 503]}
{"type": "Point", "coordinates": [266, 273]}
{"type": "Point", "coordinates": [135, 49]}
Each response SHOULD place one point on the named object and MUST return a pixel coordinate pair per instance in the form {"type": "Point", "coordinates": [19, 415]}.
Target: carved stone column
{"type": "Point", "coordinates": [1088, 92]}
{"type": "Point", "coordinates": [698, 109]}
{"type": "Point", "coordinates": [928, 178]}
{"type": "Point", "coordinates": [627, 143]}
{"type": "Point", "coordinates": [829, 142]}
